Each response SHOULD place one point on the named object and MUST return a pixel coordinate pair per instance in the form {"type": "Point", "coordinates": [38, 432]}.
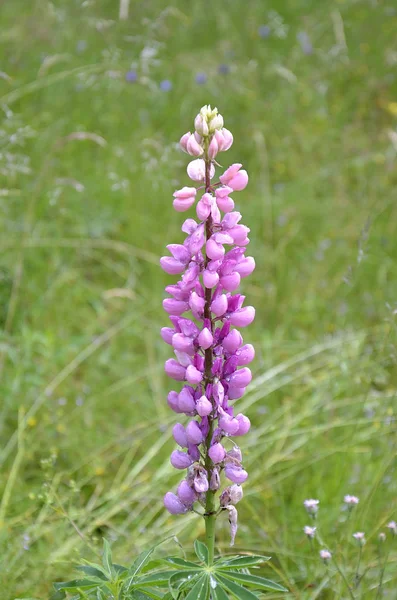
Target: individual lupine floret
{"type": "Point", "coordinates": [210, 355]}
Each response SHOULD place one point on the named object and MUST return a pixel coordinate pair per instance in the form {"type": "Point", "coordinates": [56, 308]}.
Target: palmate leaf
{"type": "Point", "coordinates": [182, 580]}
{"type": "Point", "coordinates": [92, 571]}
{"type": "Point", "coordinates": [240, 562]}
{"type": "Point", "coordinates": [200, 591]}
{"type": "Point", "coordinates": [82, 584]}
{"type": "Point", "coordinates": [182, 563]}
{"type": "Point", "coordinates": [255, 581]}
{"type": "Point", "coordinates": [234, 588]}
{"type": "Point", "coordinates": [156, 578]}
{"type": "Point", "coordinates": [218, 593]}
{"type": "Point", "coordinates": [201, 551]}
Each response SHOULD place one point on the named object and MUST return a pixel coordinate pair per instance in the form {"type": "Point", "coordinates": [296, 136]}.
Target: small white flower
{"type": "Point", "coordinates": [310, 531]}
{"type": "Point", "coordinates": [351, 500]}
{"type": "Point", "coordinates": [311, 506]}
{"type": "Point", "coordinates": [360, 537]}
{"type": "Point", "coordinates": [382, 536]}
{"type": "Point", "coordinates": [393, 527]}
{"type": "Point", "coordinates": [325, 555]}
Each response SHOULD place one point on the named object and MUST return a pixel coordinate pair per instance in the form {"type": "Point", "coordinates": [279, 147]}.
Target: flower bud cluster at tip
{"type": "Point", "coordinates": [211, 262]}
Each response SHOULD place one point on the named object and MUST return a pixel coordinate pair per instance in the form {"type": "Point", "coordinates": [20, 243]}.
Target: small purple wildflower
{"type": "Point", "coordinates": [393, 527]}
{"type": "Point", "coordinates": [351, 501]}
{"type": "Point", "coordinates": [166, 85]}
{"type": "Point", "coordinates": [201, 78]}
{"type": "Point", "coordinates": [131, 76]}
{"type": "Point", "coordinates": [264, 31]}
{"type": "Point", "coordinates": [223, 69]}
{"type": "Point", "coordinates": [325, 555]}
{"type": "Point", "coordinates": [360, 537]}
{"type": "Point", "coordinates": [210, 356]}
{"type": "Point", "coordinates": [311, 506]}
{"type": "Point", "coordinates": [310, 531]}
{"type": "Point", "coordinates": [305, 43]}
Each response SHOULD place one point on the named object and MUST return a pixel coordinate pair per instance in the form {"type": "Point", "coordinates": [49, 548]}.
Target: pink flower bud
{"type": "Point", "coordinates": [172, 400]}
{"type": "Point", "coordinates": [243, 316]}
{"type": "Point", "coordinates": [175, 307]}
{"type": "Point", "coordinates": [193, 376]}
{"type": "Point", "coordinates": [193, 433]}
{"type": "Point", "coordinates": [213, 149]}
{"type": "Point", "coordinates": [203, 406]}
{"type": "Point", "coordinates": [225, 203]}
{"type": "Point", "coordinates": [184, 198]}
{"type": "Point", "coordinates": [218, 135]}
{"type": "Point", "coordinates": [241, 378]}
{"type": "Point", "coordinates": [214, 250]}
{"type": "Point", "coordinates": [196, 170]}
{"type": "Point", "coordinates": [205, 338]}
{"type": "Point", "coordinates": [246, 266]}
{"type": "Point", "coordinates": [182, 343]}
{"type": "Point", "coordinates": [232, 341]}
{"type": "Point", "coordinates": [186, 494]}
{"type": "Point", "coordinates": [235, 474]}
{"type": "Point", "coordinates": [173, 504]}
{"type": "Point", "coordinates": [167, 333]}
{"type": "Point", "coordinates": [219, 305]}
{"type": "Point", "coordinates": [174, 369]}
{"type": "Point", "coordinates": [193, 147]}
{"type": "Point", "coordinates": [210, 279]}
{"type": "Point", "coordinates": [186, 401]}
{"type": "Point", "coordinates": [217, 453]}
{"type": "Point", "coordinates": [230, 173]}
{"type": "Point", "coordinates": [179, 433]}
{"type": "Point", "coordinates": [246, 354]}
{"type": "Point", "coordinates": [230, 282]}
{"type": "Point", "coordinates": [239, 234]}
{"type": "Point", "coordinates": [228, 424]}
{"type": "Point", "coordinates": [239, 181]}
{"type": "Point", "coordinates": [183, 141]}
{"type": "Point", "coordinates": [244, 424]}
{"type": "Point", "coordinates": [234, 393]}
{"type": "Point", "coordinates": [227, 139]}
{"type": "Point", "coordinates": [180, 460]}
{"type": "Point", "coordinates": [200, 125]}
{"type": "Point", "coordinates": [171, 266]}
{"type": "Point", "coordinates": [196, 303]}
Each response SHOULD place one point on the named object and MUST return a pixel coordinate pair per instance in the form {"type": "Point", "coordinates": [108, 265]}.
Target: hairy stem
{"type": "Point", "coordinates": [210, 515]}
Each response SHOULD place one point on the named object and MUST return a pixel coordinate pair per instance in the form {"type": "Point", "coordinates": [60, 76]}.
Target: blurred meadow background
{"type": "Point", "coordinates": [92, 107]}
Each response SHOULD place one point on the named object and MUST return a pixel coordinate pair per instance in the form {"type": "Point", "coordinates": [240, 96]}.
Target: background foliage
{"type": "Point", "coordinates": [92, 108]}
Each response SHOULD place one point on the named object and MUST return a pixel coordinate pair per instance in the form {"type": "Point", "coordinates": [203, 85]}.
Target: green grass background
{"type": "Point", "coordinates": [88, 164]}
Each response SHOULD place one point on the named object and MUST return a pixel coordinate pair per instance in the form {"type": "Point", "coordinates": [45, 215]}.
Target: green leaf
{"type": "Point", "coordinates": [254, 580]}
{"type": "Point", "coordinates": [237, 562]}
{"type": "Point", "coordinates": [92, 571]}
{"type": "Point", "coordinates": [183, 564]}
{"type": "Point", "coordinates": [181, 580]}
{"type": "Point", "coordinates": [107, 558]}
{"type": "Point", "coordinates": [200, 591]}
{"type": "Point", "coordinates": [59, 595]}
{"type": "Point", "coordinates": [75, 584]}
{"type": "Point", "coordinates": [218, 593]}
{"type": "Point", "coordinates": [119, 569]}
{"type": "Point", "coordinates": [157, 578]}
{"type": "Point", "coordinates": [237, 590]}
{"type": "Point", "coordinates": [201, 551]}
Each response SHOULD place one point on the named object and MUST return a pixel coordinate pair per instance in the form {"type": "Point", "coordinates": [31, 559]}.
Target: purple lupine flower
{"type": "Point", "coordinates": [166, 85]}
{"type": "Point", "coordinates": [209, 353]}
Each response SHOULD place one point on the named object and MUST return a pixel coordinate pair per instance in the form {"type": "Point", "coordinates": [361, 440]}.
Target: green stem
{"type": "Point", "coordinates": [210, 513]}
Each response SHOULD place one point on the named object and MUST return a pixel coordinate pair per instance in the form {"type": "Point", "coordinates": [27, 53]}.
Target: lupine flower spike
{"type": "Point", "coordinates": [205, 309]}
